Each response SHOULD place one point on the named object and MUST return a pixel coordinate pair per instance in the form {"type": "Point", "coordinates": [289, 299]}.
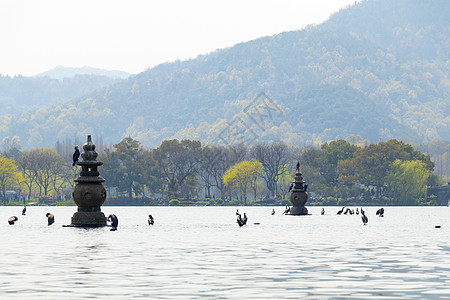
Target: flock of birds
{"type": "Point", "coordinates": [112, 219]}
{"type": "Point", "coordinates": [241, 219]}
{"type": "Point", "coordinates": [364, 218]}
{"type": "Point", "coordinates": [50, 217]}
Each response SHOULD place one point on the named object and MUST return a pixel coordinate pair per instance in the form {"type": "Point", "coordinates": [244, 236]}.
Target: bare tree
{"type": "Point", "coordinates": [48, 166]}
{"type": "Point", "coordinates": [27, 165]}
{"type": "Point", "coordinates": [178, 164]}
{"type": "Point", "coordinates": [273, 157]}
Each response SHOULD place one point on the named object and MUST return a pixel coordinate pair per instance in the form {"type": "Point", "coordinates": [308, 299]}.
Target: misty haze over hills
{"type": "Point", "coordinates": [61, 72]}
{"type": "Point", "coordinates": [379, 69]}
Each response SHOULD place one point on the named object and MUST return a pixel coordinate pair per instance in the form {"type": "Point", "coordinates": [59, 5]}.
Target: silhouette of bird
{"type": "Point", "coordinates": [50, 218]}
{"type": "Point", "coordinates": [75, 156]}
{"type": "Point", "coordinates": [290, 187]}
{"type": "Point", "coordinates": [380, 212]}
{"type": "Point", "coordinates": [273, 212]}
{"type": "Point", "coordinates": [114, 222]}
{"type": "Point", "coordinates": [340, 212]}
{"type": "Point", "coordinates": [24, 210]}
{"type": "Point", "coordinates": [364, 217]}
{"type": "Point", "coordinates": [151, 221]}
{"type": "Point", "coordinates": [242, 220]}
{"type": "Point", "coordinates": [287, 210]}
{"type": "Point", "coordinates": [323, 211]}
{"type": "Point", "coordinates": [12, 220]}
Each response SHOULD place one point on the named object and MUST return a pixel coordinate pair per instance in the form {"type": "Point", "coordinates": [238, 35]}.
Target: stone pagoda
{"type": "Point", "coordinates": [89, 193]}
{"type": "Point", "coordinates": [299, 196]}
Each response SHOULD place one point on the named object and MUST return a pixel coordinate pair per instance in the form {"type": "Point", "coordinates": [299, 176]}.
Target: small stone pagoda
{"type": "Point", "coordinates": [299, 196]}
{"type": "Point", "coordinates": [89, 193]}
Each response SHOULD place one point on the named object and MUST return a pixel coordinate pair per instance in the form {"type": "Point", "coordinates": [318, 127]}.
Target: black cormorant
{"type": "Point", "coordinates": [151, 221]}
{"type": "Point", "coordinates": [50, 218]}
{"type": "Point", "coordinates": [12, 220]}
{"type": "Point", "coordinates": [242, 220]}
{"type": "Point", "coordinates": [75, 156]}
{"type": "Point", "coordinates": [380, 212]}
{"type": "Point", "coordinates": [364, 217]}
{"type": "Point", "coordinates": [114, 222]}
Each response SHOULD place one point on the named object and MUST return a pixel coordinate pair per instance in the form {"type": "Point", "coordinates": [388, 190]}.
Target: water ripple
{"type": "Point", "coordinates": [200, 252]}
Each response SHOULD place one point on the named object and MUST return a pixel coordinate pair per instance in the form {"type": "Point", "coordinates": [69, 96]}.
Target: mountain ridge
{"type": "Point", "coordinates": [325, 77]}
{"type": "Point", "coordinates": [61, 72]}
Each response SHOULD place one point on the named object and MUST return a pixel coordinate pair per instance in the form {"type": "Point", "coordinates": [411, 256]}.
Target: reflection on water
{"type": "Point", "coordinates": [194, 252]}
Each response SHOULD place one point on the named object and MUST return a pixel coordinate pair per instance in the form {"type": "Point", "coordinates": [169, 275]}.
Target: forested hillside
{"type": "Point", "coordinates": [379, 69]}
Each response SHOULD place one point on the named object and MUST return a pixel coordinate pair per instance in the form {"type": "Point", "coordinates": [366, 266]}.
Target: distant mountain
{"type": "Point", "coordinates": [379, 69]}
{"type": "Point", "coordinates": [61, 72]}
{"type": "Point", "coordinates": [21, 94]}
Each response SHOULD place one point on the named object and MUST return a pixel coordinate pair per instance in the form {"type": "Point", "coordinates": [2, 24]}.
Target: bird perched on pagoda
{"type": "Point", "coordinates": [76, 155]}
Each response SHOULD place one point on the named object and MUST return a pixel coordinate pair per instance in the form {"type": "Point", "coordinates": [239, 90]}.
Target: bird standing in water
{"type": "Point", "coordinates": [364, 217]}
{"type": "Point", "coordinates": [12, 220]}
{"type": "Point", "coordinates": [75, 156]}
{"type": "Point", "coordinates": [380, 212]}
{"type": "Point", "coordinates": [242, 220]}
{"type": "Point", "coordinates": [287, 210]}
{"type": "Point", "coordinates": [114, 222]}
{"type": "Point", "coordinates": [151, 221]}
{"type": "Point", "coordinates": [50, 218]}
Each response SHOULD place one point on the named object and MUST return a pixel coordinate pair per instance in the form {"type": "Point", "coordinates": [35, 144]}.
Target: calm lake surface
{"type": "Point", "coordinates": [200, 252]}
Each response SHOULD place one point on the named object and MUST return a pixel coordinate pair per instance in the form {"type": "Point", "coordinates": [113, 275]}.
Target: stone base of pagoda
{"type": "Point", "coordinates": [298, 211]}
{"type": "Point", "coordinates": [88, 219]}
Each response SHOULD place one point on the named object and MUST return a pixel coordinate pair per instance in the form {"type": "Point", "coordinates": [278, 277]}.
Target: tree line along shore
{"type": "Point", "coordinates": [185, 172]}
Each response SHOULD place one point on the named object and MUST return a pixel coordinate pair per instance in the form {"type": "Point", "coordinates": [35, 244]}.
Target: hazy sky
{"type": "Point", "coordinates": [133, 35]}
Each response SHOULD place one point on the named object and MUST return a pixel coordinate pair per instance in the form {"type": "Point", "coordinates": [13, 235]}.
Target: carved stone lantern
{"type": "Point", "coordinates": [299, 196]}
{"type": "Point", "coordinates": [89, 193]}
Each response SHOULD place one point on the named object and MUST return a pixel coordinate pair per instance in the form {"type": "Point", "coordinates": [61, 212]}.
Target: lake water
{"type": "Point", "coordinates": [200, 252]}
